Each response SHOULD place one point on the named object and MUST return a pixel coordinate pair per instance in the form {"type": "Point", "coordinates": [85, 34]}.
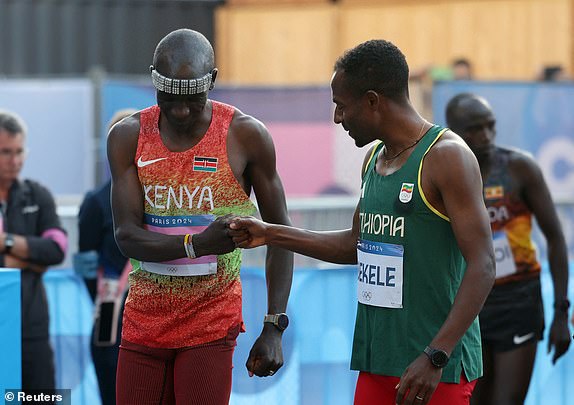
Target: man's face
{"type": "Point", "coordinates": [350, 110]}
{"type": "Point", "coordinates": [12, 155]}
{"type": "Point", "coordinates": [476, 125]}
{"type": "Point", "coordinates": [181, 111]}
{"type": "Point", "coordinates": [461, 71]}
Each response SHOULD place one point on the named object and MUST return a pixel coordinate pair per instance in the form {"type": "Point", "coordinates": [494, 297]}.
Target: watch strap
{"type": "Point", "coordinates": [280, 321]}
{"type": "Point", "coordinates": [271, 318]}
{"type": "Point", "coordinates": [8, 243]}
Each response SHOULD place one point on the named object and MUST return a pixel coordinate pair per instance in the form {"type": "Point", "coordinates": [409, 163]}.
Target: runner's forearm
{"type": "Point", "coordinates": [330, 246]}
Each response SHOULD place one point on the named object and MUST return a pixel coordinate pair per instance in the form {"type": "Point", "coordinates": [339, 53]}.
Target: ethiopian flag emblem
{"type": "Point", "coordinates": [406, 193]}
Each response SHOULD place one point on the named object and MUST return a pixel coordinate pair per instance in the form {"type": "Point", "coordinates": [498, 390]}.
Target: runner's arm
{"type": "Point", "coordinates": [538, 199]}
{"type": "Point", "coordinates": [128, 207]}
{"type": "Point", "coordinates": [456, 175]}
{"type": "Point", "coordinates": [331, 246]}
{"type": "Point", "coordinates": [456, 187]}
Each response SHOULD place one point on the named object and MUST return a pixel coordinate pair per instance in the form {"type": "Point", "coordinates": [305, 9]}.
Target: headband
{"type": "Point", "coordinates": [181, 86]}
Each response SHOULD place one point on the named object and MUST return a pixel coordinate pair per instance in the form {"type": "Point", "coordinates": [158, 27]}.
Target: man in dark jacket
{"type": "Point", "coordinates": [31, 239]}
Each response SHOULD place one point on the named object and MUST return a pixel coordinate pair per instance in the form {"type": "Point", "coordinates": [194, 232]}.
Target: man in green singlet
{"type": "Point", "coordinates": [420, 236]}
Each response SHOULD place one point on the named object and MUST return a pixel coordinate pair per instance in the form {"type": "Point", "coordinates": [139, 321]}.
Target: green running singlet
{"type": "Point", "coordinates": [410, 269]}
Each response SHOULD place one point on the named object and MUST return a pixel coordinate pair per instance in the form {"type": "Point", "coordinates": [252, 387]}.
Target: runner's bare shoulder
{"type": "Point", "coordinates": [449, 149]}
{"type": "Point", "coordinates": [123, 137]}
{"type": "Point", "coordinates": [251, 134]}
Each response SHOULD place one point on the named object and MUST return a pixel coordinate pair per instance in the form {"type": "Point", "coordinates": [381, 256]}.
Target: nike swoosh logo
{"type": "Point", "coordinates": [518, 340]}
{"type": "Point", "coordinates": [144, 163]}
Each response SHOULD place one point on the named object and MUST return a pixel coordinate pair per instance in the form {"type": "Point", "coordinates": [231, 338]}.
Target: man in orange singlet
{"type": "Point", "coordinates": [178, 168]}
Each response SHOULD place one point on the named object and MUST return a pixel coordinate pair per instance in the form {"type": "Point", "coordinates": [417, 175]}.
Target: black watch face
{"type": "Point", "coordinates": [439, 358]}
{"type": "Point", "coordinates": [283, 322]}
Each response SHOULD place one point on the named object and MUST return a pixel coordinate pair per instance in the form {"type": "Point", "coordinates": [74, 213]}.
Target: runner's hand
{"type": "Point", "coordinates": [266, 355]}
{"type": "Point", "coordinates": [248, 232]}
{"type": "Point", "coordinates": [559, 336]}
{"type": "Point", "coordinates": [215, 239]}
{"type": "Point", "coordinates": [418, 382]}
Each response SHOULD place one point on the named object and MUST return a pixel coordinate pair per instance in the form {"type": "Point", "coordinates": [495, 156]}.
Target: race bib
{"type": "Point", "coordinates": [380, 274]}
{"type": "Point", "coordinates": [181, 225]}
{"type": "Point", "coordinates": [505, 264]}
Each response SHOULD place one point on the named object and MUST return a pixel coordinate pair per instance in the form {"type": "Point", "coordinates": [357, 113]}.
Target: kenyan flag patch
{"type": "Point", "coordinates": [204, 164]}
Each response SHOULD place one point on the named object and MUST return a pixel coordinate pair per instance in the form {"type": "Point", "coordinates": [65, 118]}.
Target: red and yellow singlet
{"type": "Point", "coordinates": [511, 223]}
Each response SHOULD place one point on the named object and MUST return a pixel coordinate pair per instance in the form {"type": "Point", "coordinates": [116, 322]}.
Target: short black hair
{"type": "Point", "coordinates": [453, 105]}
{"type": "Point", "coordinates": [376, 65]}
{"type": "Point", "coordinates": [12, 123]}
{"type": "Point", "coordinates": [551, 73]}
{"type": "Point", "coordinates": [461, 61]}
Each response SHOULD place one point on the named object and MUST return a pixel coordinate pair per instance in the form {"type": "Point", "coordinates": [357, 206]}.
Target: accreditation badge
{"type": "Point", "coordinates": [380, 281]}
{"type": "Point", "coordinates": [505, 264]}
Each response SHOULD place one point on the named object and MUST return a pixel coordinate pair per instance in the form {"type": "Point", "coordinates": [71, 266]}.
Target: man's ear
{"type": "Point", "coordinates": [373, 99]}
{"type": "Point", "coordinates": [213, 77]}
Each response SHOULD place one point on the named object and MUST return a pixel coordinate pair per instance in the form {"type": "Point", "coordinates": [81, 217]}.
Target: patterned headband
{"type": "Point", "coordinates": [181, 86]}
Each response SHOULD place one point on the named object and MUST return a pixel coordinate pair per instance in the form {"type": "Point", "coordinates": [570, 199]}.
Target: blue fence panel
{"type": "Point", "coordinates": [317, 344]}
{"type": "Point", "coordinates": [10, 329]}
{"type": "Point", "coordinates": [71, 312]}
{"type": "Point", "coordinates": [552, 384]}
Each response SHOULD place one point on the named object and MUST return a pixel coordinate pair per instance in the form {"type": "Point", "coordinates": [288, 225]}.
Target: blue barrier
{"type": "Point", "coordinates": [317, 345]}
{"type": "Point", "coordinates": [71, 312]}
{"type": "Point", "coordinates": [10, 327]}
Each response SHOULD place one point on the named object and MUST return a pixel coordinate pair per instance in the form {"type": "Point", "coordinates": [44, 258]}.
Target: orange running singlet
{"type": "Point", "coordinates": [183, 192]}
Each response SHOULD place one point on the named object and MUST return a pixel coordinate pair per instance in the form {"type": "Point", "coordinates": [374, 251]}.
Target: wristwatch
{"type": "Point", "coordinates": [281, 321]}
{"type": "Point", "coordinates": [438, 357]}
{"type": "Point", "coordinates": [562, 305]}
{"type": "Point", "coordinates": [8, 243]}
